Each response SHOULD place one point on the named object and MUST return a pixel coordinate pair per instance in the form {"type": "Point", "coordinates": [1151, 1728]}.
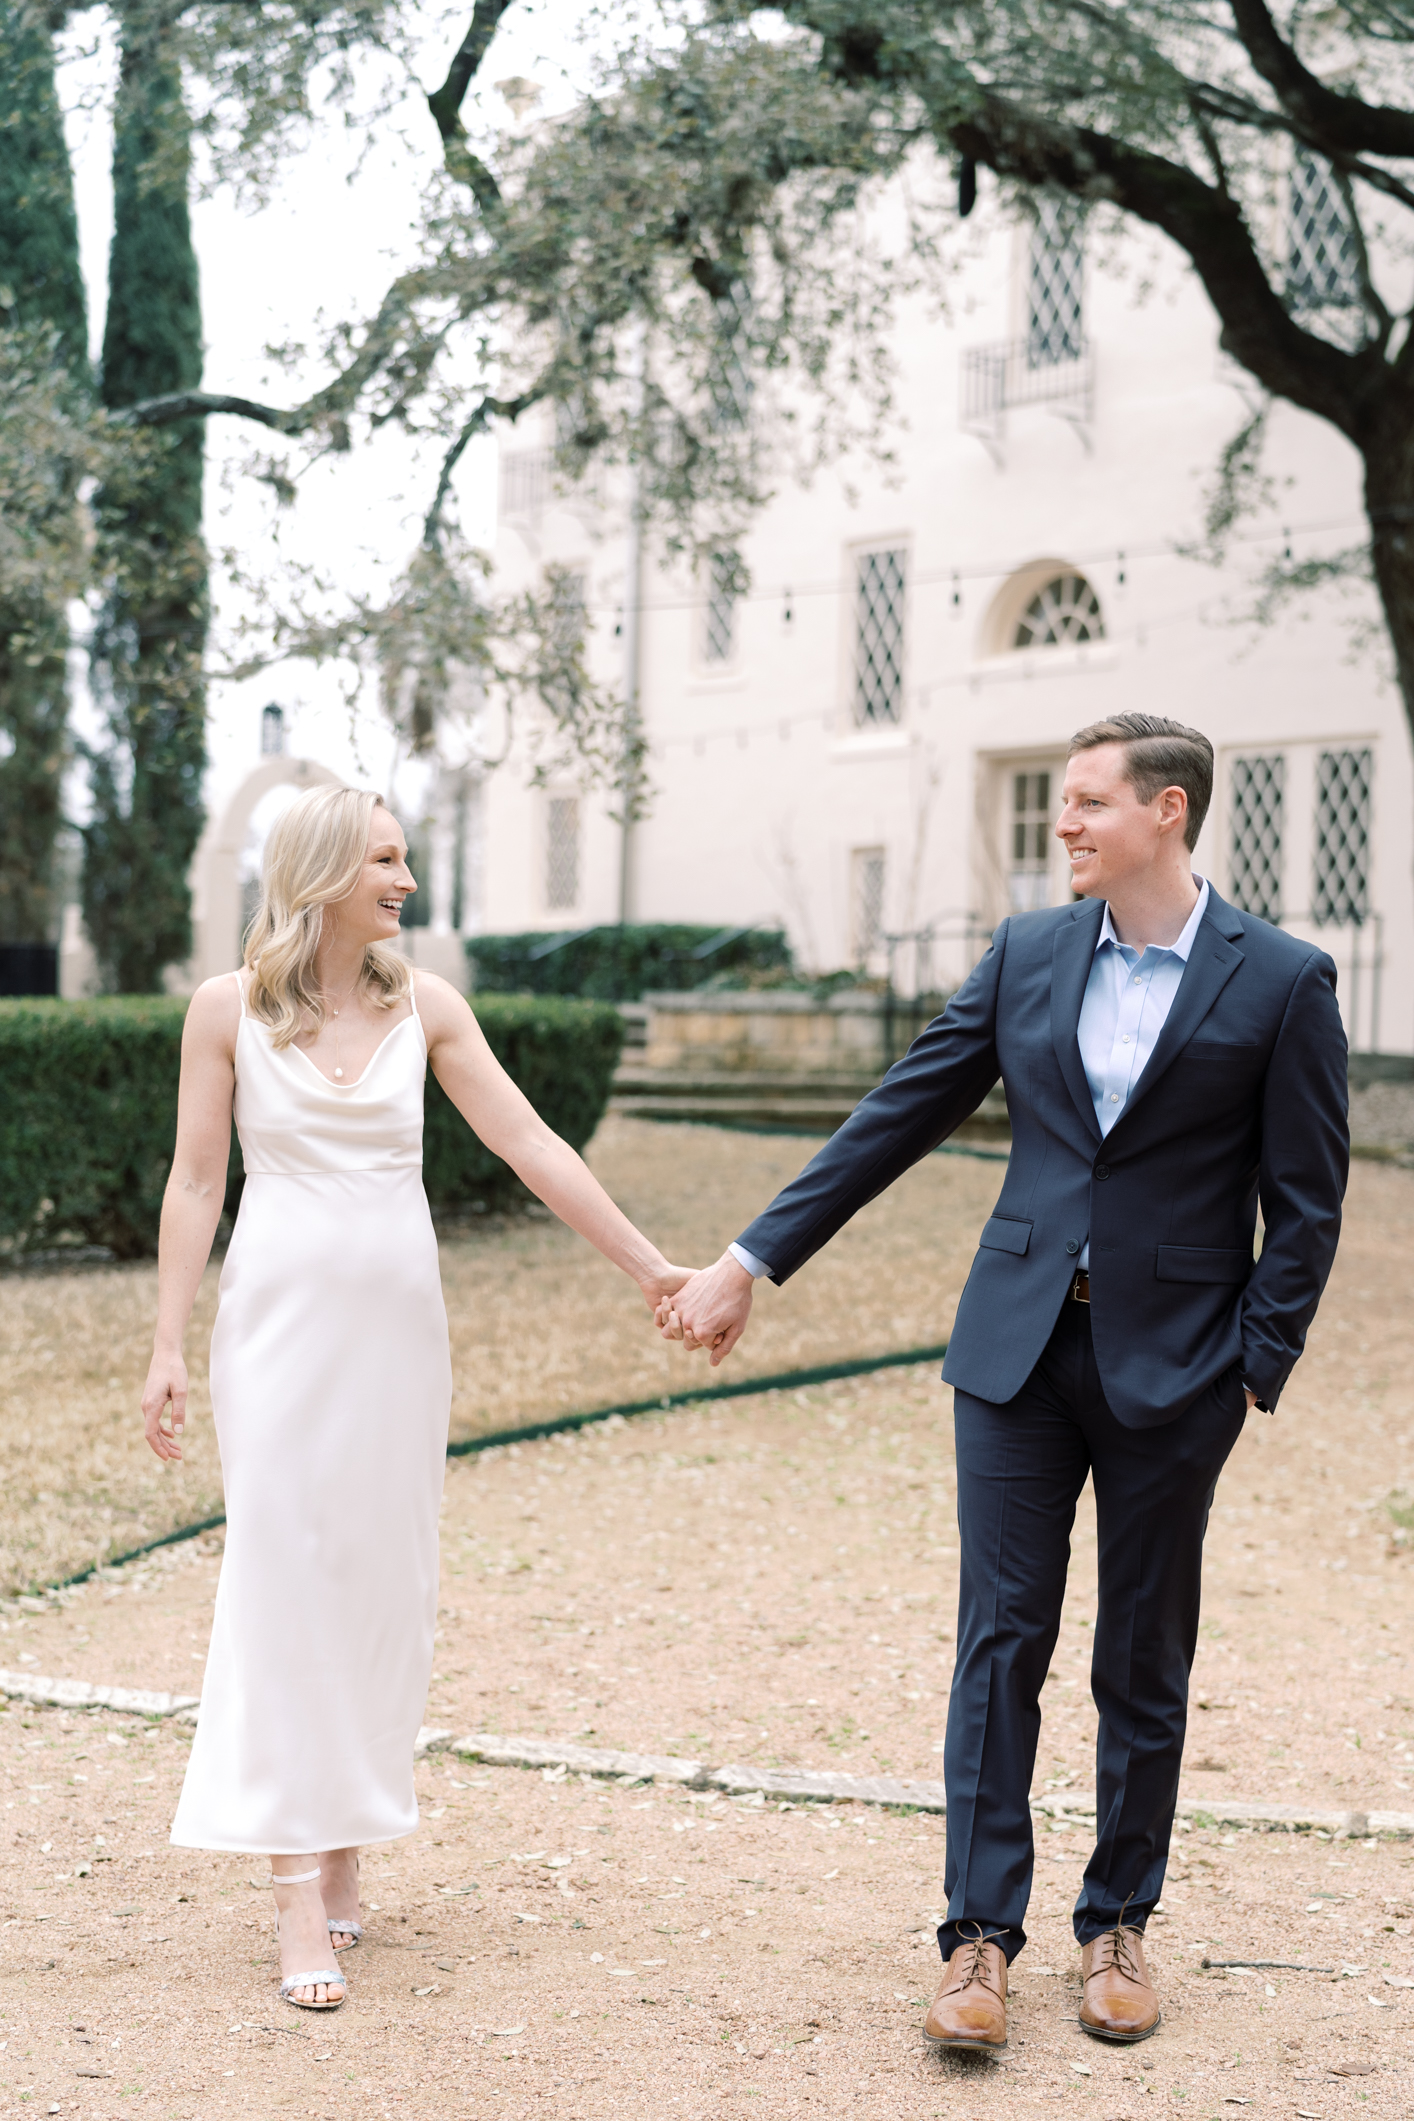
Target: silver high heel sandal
{"type": "Point", "coordinates": [352, 1930]}
{"type": "Point", "coordinates": [323, 1977]}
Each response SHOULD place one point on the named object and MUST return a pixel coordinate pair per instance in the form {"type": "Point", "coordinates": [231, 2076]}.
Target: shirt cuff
{"type": "Point", "coordinates": [755, 1267]}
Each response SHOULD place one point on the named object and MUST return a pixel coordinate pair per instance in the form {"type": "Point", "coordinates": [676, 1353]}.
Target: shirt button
{"type": "Point", "coordinates": [1114, 1097]}
{"type": "Point", "coordinates": [1137, 981]}
{"type": "Point", "coordinates": [1072, 1245]}
{"type": "Point", "coordinates": [1125, 1040]}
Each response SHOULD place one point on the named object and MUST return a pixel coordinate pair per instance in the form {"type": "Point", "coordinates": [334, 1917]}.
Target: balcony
{"type": "Point", "coordinates": [1013, 372]}
{"type": "Point", "coordinates": [526, 476]}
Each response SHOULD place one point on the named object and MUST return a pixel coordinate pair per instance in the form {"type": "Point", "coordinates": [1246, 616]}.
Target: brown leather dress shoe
{"type": "Point", "coordinates": [969, 2009]}
{"type": "Point", "coordinates": [1117, 1999]}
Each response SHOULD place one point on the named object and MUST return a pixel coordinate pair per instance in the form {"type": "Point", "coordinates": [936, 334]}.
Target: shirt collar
{"type": "Point", "coordinates": [1184, 944]}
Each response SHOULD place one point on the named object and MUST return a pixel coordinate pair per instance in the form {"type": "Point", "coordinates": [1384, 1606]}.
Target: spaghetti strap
{"type": "Point", "coordinates": [412, 990]}
{"type": "Point", "coordinates": [239, 978]}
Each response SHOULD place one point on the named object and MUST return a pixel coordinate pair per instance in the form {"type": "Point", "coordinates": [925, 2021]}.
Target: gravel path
{"type": "Point", "coordinates": [768, 1580]}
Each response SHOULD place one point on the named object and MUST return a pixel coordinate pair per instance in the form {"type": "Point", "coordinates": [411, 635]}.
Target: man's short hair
{"type": "Point", "coordinates": [1158, 754]}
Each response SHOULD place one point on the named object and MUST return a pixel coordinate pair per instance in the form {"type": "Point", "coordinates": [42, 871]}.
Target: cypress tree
{"type": "Point", "coordinates": [146, 781]}
{"type": "Point", "coordinates": [40, 286]}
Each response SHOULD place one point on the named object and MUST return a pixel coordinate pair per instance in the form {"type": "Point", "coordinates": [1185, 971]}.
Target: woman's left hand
{"type": "Point", "coordinates": [660, 1288]}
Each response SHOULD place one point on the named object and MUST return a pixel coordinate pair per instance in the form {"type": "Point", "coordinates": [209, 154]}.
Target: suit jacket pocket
{"type": "Point", "coordinates": [1003, 1233]}
{"type": "Point", "coordinates": [1202, 1263]}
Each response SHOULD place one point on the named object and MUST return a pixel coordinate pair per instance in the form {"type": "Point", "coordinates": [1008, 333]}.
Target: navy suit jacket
{"type": "Point", "coordinates": [1243, 1101]}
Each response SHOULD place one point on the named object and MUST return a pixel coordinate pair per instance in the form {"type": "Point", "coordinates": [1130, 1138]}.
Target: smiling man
{"type": "Point", "coordinates": [1170, 1064]}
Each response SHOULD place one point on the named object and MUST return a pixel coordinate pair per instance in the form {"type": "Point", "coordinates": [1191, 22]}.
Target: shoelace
{"type": "Point", "coordinates": [974, 1969]}
{"type": "Point", "coordinates": [1121, 1955]}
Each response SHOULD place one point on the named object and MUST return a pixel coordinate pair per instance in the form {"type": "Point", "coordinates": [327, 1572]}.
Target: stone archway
{"type": "Point", "coordinates": [216, 890]}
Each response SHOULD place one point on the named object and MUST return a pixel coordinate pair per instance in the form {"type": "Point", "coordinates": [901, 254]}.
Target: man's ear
{"type": "Point", "coordinates": [1173, 809]}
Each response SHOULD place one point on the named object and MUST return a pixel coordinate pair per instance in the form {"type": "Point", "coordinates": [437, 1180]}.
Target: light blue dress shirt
{"type": "Point", "coordinates": [1127, 1000]}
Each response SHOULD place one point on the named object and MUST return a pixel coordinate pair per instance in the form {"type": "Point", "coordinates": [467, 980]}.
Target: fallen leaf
{"type": "Point", "coordinates": [1397, 1981]}
{"type": "Point", "coordinates": [1082, 2069]}
{"type": "Point", "coordinates": [434, 1990]}
{"type": "Point", "coordinates": [506, 2032]}
{"type": "Point", "coordinates": [526, 1918]}
{"type": "Point", "coordinates": [1381, 2003]}
{"type": "Point", "coordinates": [1351, 2069]}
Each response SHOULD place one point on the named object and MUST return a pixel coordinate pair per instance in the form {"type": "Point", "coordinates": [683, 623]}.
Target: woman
{"type": "Point", "coordinates": [330, 1372]}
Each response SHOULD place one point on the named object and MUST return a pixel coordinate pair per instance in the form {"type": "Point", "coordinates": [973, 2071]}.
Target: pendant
{"type": "Point", "coordinates": [338, 1072]}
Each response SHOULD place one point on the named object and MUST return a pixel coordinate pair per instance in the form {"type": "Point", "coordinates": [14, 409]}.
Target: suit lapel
{"type": "Point", "coordinates": [1211, 964]}
{"type": "Point", "coordinates": [1073, 954]}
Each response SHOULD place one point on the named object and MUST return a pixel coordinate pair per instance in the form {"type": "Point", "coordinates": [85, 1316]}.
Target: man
{"type": "Point", "coordinates": [1169, 1064]}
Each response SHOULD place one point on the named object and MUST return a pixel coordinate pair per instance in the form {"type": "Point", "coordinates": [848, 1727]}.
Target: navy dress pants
{"type": "Point", "coordinates": [1020, 1468]}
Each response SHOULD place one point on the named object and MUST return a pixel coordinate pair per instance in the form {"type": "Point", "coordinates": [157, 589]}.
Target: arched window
{"type": "Point", "coordinates": [1062, 611]}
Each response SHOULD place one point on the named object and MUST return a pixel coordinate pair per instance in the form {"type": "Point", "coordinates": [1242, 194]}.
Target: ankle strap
{"type": "Point", "coordinates": [295, 1877]}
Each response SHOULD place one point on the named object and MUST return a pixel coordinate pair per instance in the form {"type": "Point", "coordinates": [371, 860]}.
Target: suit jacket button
{"type": "Point", "coordinates": [1102, 1170]}
{"type": "Point", "coordinates": [1072, 1245]}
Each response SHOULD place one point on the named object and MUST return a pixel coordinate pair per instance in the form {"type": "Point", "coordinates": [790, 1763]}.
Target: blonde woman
{"type": "Point", "coordinates": [330, 1373]}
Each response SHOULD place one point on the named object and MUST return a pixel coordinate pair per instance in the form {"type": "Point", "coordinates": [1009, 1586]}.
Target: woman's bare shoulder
{"type": "Point", "coordinates": [214, 1011]}
{"type": "Point", "coordinates": [442, 1008]}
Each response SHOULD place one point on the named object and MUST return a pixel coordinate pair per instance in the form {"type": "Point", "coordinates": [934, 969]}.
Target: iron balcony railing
{"type": "Point", "coordinates": [1013, 372]}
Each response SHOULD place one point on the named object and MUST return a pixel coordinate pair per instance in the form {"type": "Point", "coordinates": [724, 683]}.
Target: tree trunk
{"type": "Point", "coordinates": [1389, 504]}
{"type": "Point", "coordinates": [39, 273]}
{"type": "Point", "coordinates": [146, 783]}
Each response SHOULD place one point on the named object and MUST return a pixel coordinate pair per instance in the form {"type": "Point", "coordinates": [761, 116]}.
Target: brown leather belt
{"type": "Point", "coordinates": [1079, 1290]}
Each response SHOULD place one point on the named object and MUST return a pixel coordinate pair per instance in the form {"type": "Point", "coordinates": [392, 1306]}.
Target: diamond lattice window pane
{"type": "Point", "coordinates": [878, 660]}
{"type": "Point", "coordinates": [1255, 834]}
{"type": "Point", "coordinates": [562, 852]}
{"type": "Point", "coordinates": [1065, 611]}
{"type": "Point", "coordinates": [1321, 269]}
{"type": "Point", "coordinates": [1342, 881]}
{"type": "Point", "coordinates": [1055, 284]}
{"type": "Point", "coordinates": [868, 896]}
{"type": "Point", "coordinates": [730, 383]}
{"type": "Point", "coordinates": [719, 636]}
{"type": "Point", "coordinates": [1029, 876]}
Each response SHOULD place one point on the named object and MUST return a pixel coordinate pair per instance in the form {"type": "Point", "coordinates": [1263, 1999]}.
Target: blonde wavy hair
{"type": "Point", "coordinates": [313, 859]}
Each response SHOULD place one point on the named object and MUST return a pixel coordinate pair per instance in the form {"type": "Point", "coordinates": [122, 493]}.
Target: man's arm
{"type": "Point", "coordinates": [939, 1083]}
{"type": "Point", "coordinates": [1304, 1164]}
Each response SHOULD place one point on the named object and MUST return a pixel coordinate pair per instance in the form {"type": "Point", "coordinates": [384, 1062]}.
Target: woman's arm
{"type": "Point", "coordinates": [191, 1205]}
{"type": "Point", "coordinates": [512, 1129]}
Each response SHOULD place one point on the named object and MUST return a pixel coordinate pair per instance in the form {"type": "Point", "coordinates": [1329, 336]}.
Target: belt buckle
{"type": "Point", "coordinates": [1081, 1275]}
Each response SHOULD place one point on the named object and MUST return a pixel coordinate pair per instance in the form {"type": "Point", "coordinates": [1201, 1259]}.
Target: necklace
{"type": "Point", "coordinates": [334, 1015]}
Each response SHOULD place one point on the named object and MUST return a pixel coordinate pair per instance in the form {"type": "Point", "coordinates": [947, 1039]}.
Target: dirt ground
{"type": "Point", "coordinates": [770, 1580]}
{"type": "Point", "coordinates": [77, 1481]}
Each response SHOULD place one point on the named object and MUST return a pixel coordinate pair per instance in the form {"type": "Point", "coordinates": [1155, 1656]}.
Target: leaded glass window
{"type": "Point", "coordinates": [719, 634]}
{"type": "Point", "coordinates": [561, 852]}
{"type": "Point", "coordinates": [1321, 267]}
{"type": "Point", "coordinates": [878, 652]}
{"type": "Point", "coordinates": [1255, 833]}
{"type": "Point", "coordinates": [1065, 611]}
{"type": "Point", "coordinates": [1029, 878]}
{"type": "Point", "coordinates": [1344, 780]}
{"type": "Point", "coordinates": [867, 894]}
{"type": "Point", "coordinates": [730, 383]}
{"type": "Point", "coordinates": [1055, 284]}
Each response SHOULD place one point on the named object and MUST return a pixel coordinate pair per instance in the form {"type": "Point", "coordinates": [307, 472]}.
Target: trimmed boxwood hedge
{"type": "Point", "coordinates": [88, 1111]}
{"type": "Point", "coordinates": [622, 963]}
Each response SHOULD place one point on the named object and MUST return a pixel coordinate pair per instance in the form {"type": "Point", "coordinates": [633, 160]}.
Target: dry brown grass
{"type": "Point", "coordinates": [540, 1325]}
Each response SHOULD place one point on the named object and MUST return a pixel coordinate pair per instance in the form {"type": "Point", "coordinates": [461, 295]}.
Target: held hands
{"type": "Point", "coordinates": [164, 1404]}
{"type": "Point", "coordinates": [709, 1309]}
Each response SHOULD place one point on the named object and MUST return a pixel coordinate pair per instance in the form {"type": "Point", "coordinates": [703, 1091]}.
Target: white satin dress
{"type": "Point", "coordinates": [331, 1385]}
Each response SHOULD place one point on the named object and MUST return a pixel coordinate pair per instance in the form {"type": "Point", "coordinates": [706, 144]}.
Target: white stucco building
{"type": "Point", "coordinates": [870, 743]}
